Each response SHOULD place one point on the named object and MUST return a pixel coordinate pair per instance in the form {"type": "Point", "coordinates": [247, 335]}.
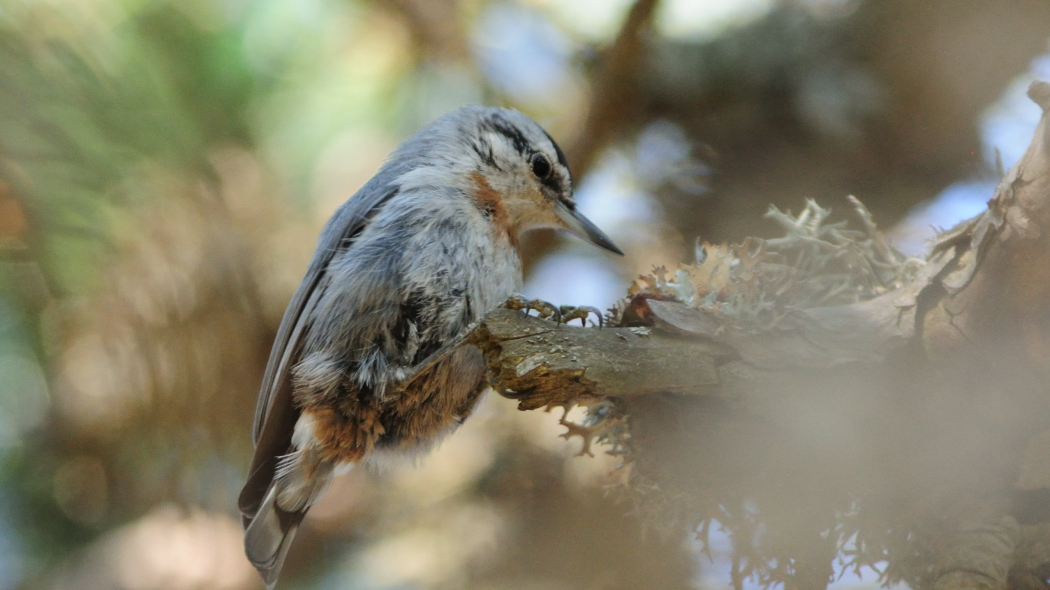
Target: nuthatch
{"type": "Point", "coordinates": [422, 251]}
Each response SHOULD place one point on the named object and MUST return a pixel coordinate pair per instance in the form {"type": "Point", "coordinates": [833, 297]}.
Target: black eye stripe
{"type": "Point", "coordinates": [557, 150]}
{"type": "Point", "coordinates": [523, 147]}
{"type": "Point", "coordinates": [484, 151]}
{"type": "Point", "coordinates": [544, 170]}
{"type": "Point", "coordinates": [512, 133]}
{"type": "Point", "coordinates": [552, 182]}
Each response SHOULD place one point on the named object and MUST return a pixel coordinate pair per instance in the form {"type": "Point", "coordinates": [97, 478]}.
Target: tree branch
{"type": "Point", "coordinates": [541, 363]}
{"type": "Point", "coordinates": [613, 93]}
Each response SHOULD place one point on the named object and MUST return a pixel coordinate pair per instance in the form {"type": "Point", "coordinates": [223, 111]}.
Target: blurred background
{"type": "Point", "coordinates": [165, 167]}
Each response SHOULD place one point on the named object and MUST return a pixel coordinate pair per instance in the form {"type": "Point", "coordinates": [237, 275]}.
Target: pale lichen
{"type": "Point", "coordinates": [815, 263]}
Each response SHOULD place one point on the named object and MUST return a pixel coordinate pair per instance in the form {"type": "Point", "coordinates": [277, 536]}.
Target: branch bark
{"type": "Point", "coordinates": [541, 363]}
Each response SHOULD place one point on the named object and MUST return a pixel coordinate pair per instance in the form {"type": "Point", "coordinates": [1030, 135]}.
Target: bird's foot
{"type": "Point", "coordinates": [544, 310]}
{"type": "Point", "coordinates": [561, 314]}
{"type": "Point", "coordinates": [517, 302]}
{"type": "Point", "coordinates": [580, 312]}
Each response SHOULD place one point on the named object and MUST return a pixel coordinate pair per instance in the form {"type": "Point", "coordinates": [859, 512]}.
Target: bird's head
{"type": "Point", "coordinates": [510, 164]}
{"type": "Point", "coordinates": [522, 164]}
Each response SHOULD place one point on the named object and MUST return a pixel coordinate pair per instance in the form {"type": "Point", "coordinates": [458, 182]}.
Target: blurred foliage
{"type": "Point", "coordinates": [87, 119]}
{"type": "Point", "coordinates": [165, 167]}
{"type": "Point", "coordinates": [83, 113]}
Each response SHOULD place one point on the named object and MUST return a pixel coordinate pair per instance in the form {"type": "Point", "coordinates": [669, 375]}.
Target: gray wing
{"type": "Point", "coordinates": [275, 413]}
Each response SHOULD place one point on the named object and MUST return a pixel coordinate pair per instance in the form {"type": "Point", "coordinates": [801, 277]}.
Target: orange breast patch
{"type": "Point", "coordinates": [490, 203]}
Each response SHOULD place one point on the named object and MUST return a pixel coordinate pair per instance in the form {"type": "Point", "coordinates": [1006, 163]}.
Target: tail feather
{"type": "Point", "coordinates": [301, 478]}
{"type": "Point", "coordinates": [268, 537]}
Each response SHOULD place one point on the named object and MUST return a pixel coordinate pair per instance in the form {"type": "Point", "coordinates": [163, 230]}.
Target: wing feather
{"type": "Point", "coordinates": [275, 412]}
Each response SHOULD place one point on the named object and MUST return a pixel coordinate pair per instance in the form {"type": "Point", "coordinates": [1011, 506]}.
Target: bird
{"type": "Point", "coordinates": [403, 268]}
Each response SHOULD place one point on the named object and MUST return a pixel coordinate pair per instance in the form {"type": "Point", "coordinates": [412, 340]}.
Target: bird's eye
{"type": "Point", "coordinates": [541, 166]}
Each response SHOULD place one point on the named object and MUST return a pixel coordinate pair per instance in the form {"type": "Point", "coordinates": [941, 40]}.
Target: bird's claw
{"type": "Point", "coordinates": [517, 302]}
{"type": "Point", "coordinates": [580, 312]}
{"type": "Point", "coordinates": [544, 310]}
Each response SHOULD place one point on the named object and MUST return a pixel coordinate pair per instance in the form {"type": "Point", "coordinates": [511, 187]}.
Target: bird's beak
{"type": "Point", "coordinates": [582, 227]}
